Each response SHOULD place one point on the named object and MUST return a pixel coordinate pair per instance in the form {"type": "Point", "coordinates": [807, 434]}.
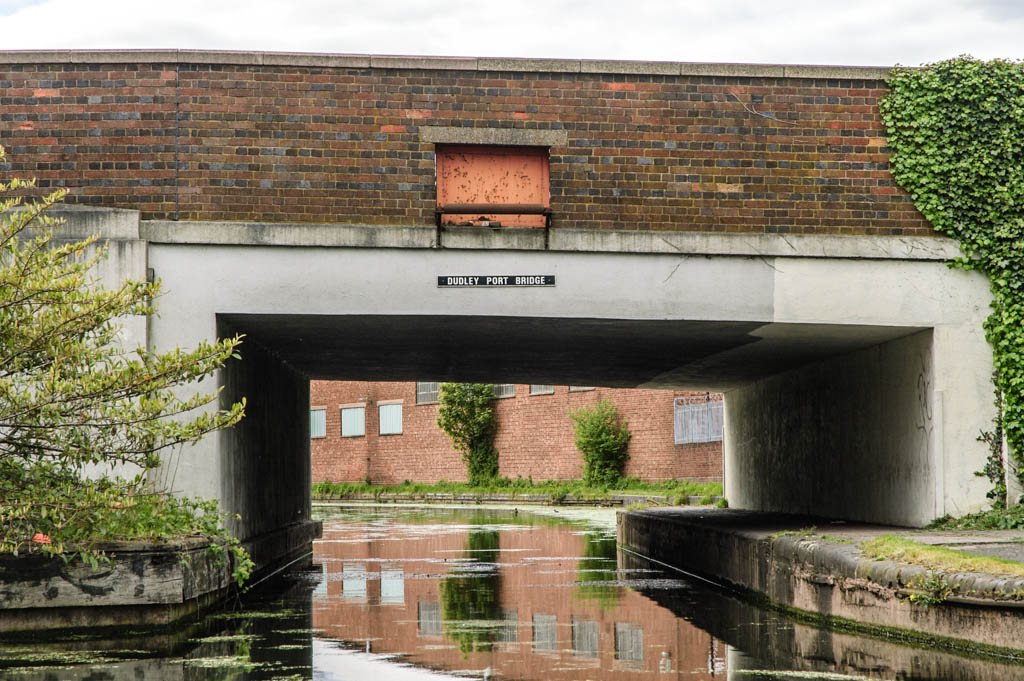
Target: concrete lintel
{"type": "Point", "coordinates": [769, 245]}
{"type": "Point", "coordinates": [501, 136]}
{"type": "Point", "coordinates": [289, 234]}
{"type": "Point", "coordinates": [327, 60]}
{"type": "Point", "coordinates": [482, 238]}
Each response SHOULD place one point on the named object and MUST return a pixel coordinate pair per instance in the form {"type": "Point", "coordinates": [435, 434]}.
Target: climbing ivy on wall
{"type": "Point", "coordinates": [956, 129]}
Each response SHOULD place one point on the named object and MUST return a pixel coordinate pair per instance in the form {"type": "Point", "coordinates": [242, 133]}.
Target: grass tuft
{"type": "Point", "coordinates": [937, 558]}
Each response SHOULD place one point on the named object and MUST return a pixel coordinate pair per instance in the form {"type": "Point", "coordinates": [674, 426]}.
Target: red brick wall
{"type": "Point", "coordinates": [220, 141]}
{"type": "Point", "coordinates": [534, 438]}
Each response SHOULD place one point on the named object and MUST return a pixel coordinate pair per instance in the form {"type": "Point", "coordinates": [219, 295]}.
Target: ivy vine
{"type": "Point", "coordinates": [956, 129]}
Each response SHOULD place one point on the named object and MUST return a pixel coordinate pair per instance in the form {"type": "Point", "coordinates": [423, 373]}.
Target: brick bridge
{"type": "Point", "coordinates": [715, 226]}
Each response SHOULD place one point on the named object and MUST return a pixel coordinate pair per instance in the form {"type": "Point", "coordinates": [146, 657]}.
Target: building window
{"type": "Point", "coordinates": [317, 422]}
{"type": "Point", "coordinates": [427, 393]}
{"type": "Point", "coordinates": [545, 633]}
{"type": "Point", "coordinates": [353, 421]}
{"type": "Point", "coordinates": [493, 186]}
{"type": "Point", "coordinates": [629, 643]}
{"type": "Point", "coordinates": [353, 581]}
{"type": "Point", "coordinates": [698, 420]}
{"type": "Point", "coordinates": [428, 615]}
{"type": "Point", "coordinates": [508, 630]}
{"type": "Point", "coordinates": [390, 414]}
{"type": "Point", "coordinates": [504, 390]}
{"type": "Point", "coordinates": [584, 638]}
{"type": "Point", "coordinates": [392, 586]}
{"type": "Point", "coordinates": [580, 388]}
{"type": "Point", "coordinates": [542, 389]}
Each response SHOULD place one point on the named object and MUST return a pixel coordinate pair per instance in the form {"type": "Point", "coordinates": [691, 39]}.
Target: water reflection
{"type": "Point", "coordinates": [510, 596]}
{"type": "Point", "coordinates": [427, 595]}
{"type": "Point", "coordinates": [470, 595]}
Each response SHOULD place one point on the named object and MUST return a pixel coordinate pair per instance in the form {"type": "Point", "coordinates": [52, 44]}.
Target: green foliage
{"type": "Point", "coordinates": [82, 418]}
{"type": "Point", "coordinates": [957, 133]}
{"type": "Point", "coordinates": [675, 490]}
{"type": "Point", "coordinates": [933, 589]}
{"type": "Point", "coordinates": [997, 518]}
{"type": "Point", "coordinates": [466, 415]}
{"type": "Point", "coordinates": [597, 574]}
{"type": "Point", "coordinates": [603, 439]}
{"type": "Point", "coordinates": [470, 596]}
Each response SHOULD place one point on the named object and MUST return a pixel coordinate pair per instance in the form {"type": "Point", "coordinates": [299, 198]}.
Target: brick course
{"type": "Point", "coordinates": [534, 437]}
{"type": "Point", "coordinates": [200, 140]}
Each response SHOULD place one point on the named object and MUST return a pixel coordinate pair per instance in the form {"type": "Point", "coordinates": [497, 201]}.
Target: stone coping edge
{"type": "Point", "coordinates": [844, 561]}
{"type": "Point", "coordinates": [364, 61]}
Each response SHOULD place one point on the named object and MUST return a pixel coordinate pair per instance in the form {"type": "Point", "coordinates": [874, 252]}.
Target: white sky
{"type": "Point", "coordinates": [856, 32]}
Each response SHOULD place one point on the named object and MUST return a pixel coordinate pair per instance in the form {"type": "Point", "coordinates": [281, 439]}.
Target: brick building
{"type": "Point", "coordinates": [386, 432]}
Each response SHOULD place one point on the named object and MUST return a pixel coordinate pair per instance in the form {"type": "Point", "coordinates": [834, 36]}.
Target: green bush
{"type": "Point", "coordinates": [466, 415]}
{"type": "Point", "coordinates": [603, 438]}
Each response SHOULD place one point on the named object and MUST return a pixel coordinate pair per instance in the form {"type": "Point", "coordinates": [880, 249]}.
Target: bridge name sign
{"type": "Point", "coordinates": [495, 280]}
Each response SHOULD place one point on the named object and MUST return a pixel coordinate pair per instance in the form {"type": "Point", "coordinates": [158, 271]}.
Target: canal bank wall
{"type": "Point", "coordinates": [821, 574]}
{"type": "Point", "coordinates": [139, 584]}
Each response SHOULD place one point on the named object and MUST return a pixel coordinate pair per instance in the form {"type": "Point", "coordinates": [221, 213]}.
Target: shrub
{"type": "Point", "coordinates": [603, 438]}
{"type": "Point", "coordinates": [466, 415]}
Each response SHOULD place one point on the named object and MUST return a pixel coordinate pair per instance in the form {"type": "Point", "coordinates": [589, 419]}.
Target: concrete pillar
{"type": "Point", "coordinates": [265, 474]}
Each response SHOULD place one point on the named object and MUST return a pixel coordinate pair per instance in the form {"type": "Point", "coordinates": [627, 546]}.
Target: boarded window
{"type": "Point", "coordinates": [392, 586]}
{"type": "Point", "coordinates": [473, 180]}
{"type": "Point", "coordinates": [504, 389]}
{"type": "Point", "coordinates": [427, 393]}
{"type": "Point", "coordinates": [584, 638]}
{"type": "Point", "coordinates": [545, 633]}
{"type": "Point", "coordinates": [353, 421]}
{"type": "Point", "coordinates": [580, 388]}
{"type": "Point", "coordinates": [428, 615]}
{"type": "Point", "coordinates": [629, 643]}
{"type": "Point", "coordinates": [508, 631]}
{"type": "Point", "coordinates": [317, 423]}
{"type": "Point", "coordinates": [390, 418]}
{"type": "Point", "coordinates": [698, 421]}
{"type": "Point", "coordinates": [353, 581]}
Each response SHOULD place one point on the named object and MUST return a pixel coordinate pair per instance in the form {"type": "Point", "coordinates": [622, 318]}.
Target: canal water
{"type": "Point", "coordinates": [404, 594]}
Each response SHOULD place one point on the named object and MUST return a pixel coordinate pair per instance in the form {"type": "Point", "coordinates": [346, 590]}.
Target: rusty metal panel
{"type": "Point", "coordinates": [491, 177]}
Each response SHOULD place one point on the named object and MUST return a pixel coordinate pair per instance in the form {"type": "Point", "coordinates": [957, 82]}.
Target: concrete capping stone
{"type": "Point", "coordinates": [328, 235]}
{"type": "Point", "coordinates": [521, 65]}
{"type": "Point", "coordinates": [80, 222]}
{"type": "Point", "coordinates": [764, 245]}
{"type": "Point", "coordinates": [639, 68]}
{"type": "Point", "coordinates": [317, 59]}
{"type": "Point", "coordinates": [500, 136]}
{"type": "Point", "coordinates": [433, 63]}
{"type": "Point", "coordinates": [483, 238]}
{"type": "Point", "coordinates": [732, 70]}
{"type": "Point", "coordinates": [837, 72]}
{"type": "Point", "coordinates": [524, 65]}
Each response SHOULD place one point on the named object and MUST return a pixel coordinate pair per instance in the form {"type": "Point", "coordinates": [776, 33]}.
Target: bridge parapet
{"type": "Point", "coordinates": [645, 146]}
